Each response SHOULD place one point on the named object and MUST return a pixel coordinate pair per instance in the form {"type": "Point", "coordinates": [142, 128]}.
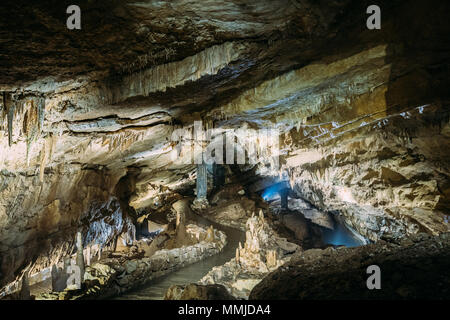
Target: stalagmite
{"type": "Point", "coordinates": [25, 289]}
{"type": "Point", "coordinates": [86, 148]}
{"type": "Point", "coordinates": [218, 175]}
{"type": "Point", "coordinates": [88, 255]}
{"type": "Point", "coordinates": [59, 276]}
{"type": "Point", "coordinates": [80, 256]}
{"type": "Point", "coordinates": [11, 110]}
{"type": "Point", "coordinates": [180, 228]}
{"type": "Point", "coordinates": [202, 186]}
{"type": "Point", "coordinates": [54, 274]}
{"type": "Point", "coordinates": [201, 181]}
{"type": "Point", "coordinates": [99, 253]}
{"type": "Point", "coordinates": [261, 216]}
{"type": "Point", "coordinates": [41, 112]}
{"type": "Point", "coordinates": [3, 100]}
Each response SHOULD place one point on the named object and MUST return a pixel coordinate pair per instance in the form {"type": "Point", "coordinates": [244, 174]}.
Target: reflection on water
{"type": "Point", "coordinates": [155, 289]}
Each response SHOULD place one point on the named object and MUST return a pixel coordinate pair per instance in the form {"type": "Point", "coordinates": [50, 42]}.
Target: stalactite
{"type": "Point", "coordinates": [11, 110]}
{"type": "Point", "coordinates": [41, 113]}
{"type": "Point", "coordinates": [27, 130]}
{"type": "Point", "coordinates": [88, 256]}
{"type": "Point", "coordinates": [172, 74]}
{"type": "Point", "coordinates": [100, 252]}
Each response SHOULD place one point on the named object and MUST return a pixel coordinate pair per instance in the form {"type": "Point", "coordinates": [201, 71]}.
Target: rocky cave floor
{"type": "Point", "coordinates": [285, 255]}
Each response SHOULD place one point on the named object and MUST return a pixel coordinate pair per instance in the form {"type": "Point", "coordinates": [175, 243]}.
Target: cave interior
{"type": "Point", "coordinates": [224, 150]}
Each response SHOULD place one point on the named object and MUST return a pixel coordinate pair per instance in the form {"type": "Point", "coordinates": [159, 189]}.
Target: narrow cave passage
{"type": "Point", "coordinates": [334, 233]}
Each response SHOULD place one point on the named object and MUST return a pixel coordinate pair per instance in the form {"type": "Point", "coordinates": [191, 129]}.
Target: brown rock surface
{"type": "Point", "coordinates": [198, 292]}
{"type": "Point", "coordinates": [86, 118]}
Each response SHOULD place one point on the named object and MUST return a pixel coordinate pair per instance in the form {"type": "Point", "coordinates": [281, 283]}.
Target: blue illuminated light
{"type": "Point", "coordinates": [272, 192]}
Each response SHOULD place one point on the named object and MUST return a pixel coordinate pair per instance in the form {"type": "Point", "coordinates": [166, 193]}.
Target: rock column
{"type": "Point", "coordinates": [80, 255]}
{"type": "Point", "coordinates": [284, 199]}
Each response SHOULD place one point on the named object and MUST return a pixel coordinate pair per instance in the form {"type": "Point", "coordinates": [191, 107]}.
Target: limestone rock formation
{"type": "Point", "coordinates": [198, 292]}
{"type": "Point", "coordinates": [262, 243]}
{"type": "Point", "coordinates": [342, 274]}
